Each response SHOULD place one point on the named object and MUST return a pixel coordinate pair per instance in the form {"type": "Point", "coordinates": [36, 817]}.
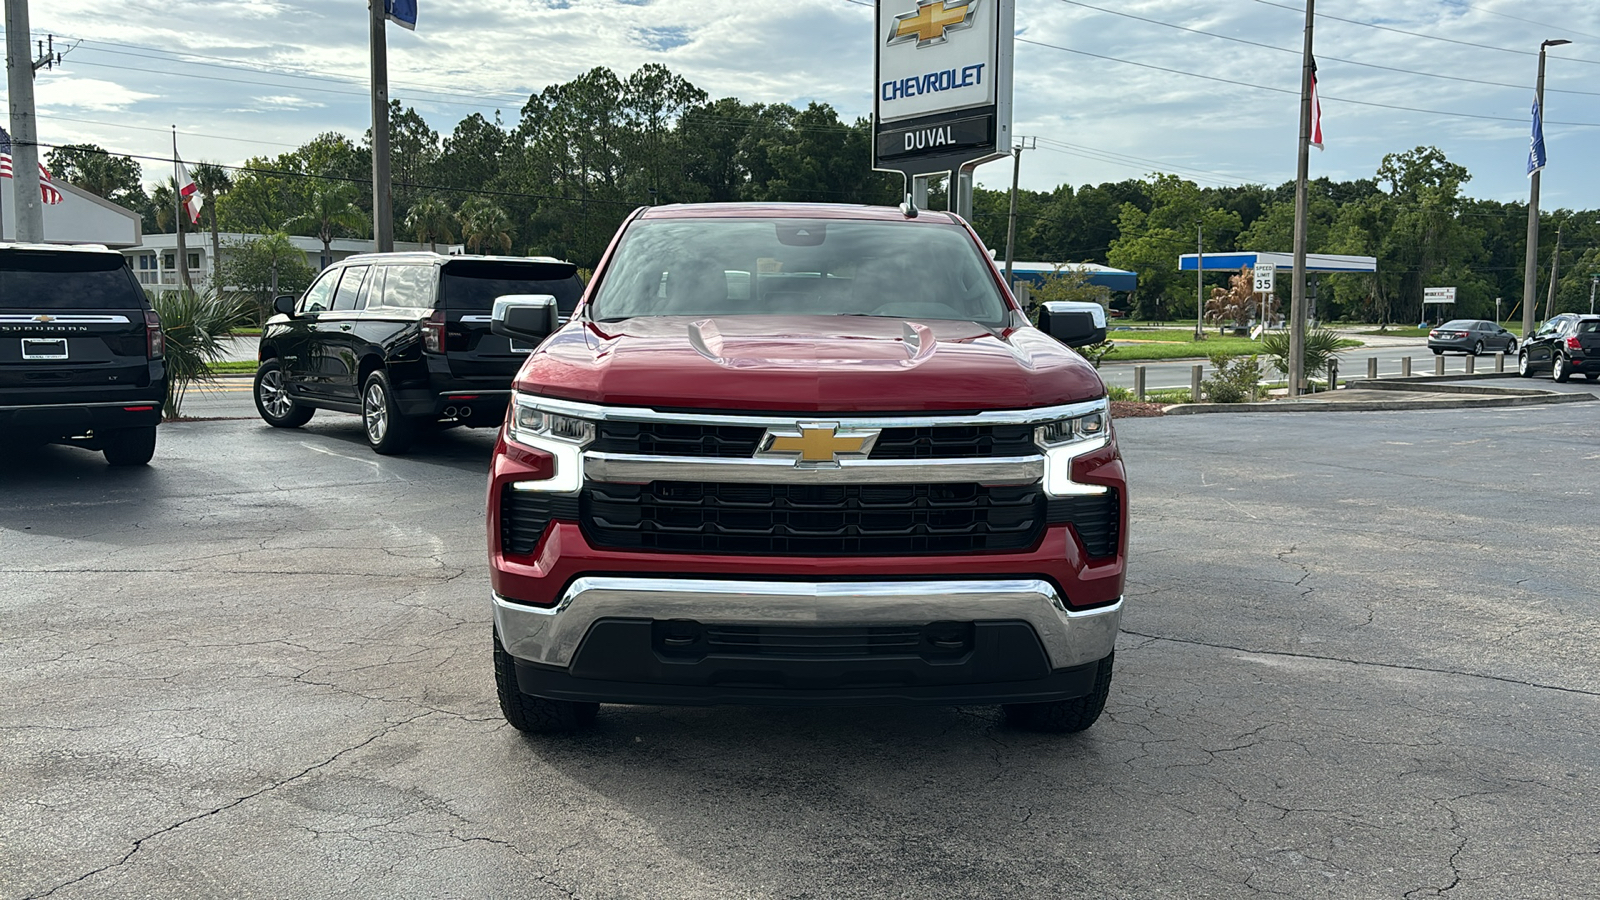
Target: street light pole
{"type": "Point", "coordinates": [1011, 222]}
{"type": "Point", "coordinates": [1530, 261]}
{"type": "Point", "coordinates": [382, 186]}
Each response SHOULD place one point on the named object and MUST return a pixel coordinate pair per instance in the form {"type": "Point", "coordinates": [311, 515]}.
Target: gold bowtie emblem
{"type": "Point", "coordinates": [928, 24]}
{"type": "Point", "coordinates": [818, 444]}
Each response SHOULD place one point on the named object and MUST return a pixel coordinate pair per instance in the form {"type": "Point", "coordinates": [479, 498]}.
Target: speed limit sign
{"type": "Point", "coordinates": [1265, 272]}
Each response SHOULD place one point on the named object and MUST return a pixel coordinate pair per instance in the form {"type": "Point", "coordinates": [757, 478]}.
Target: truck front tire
{"type": "Point", "coordinates": [1065, 716]}
{"type": "Point", "coordinates": [535, 715]}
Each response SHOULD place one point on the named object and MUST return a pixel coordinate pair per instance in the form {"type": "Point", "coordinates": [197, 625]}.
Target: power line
{"type": "Point", "coordinates": [1276, 90]}
{"type": "Point", "coordinates": [1418, 34]}
{"type": "Point", "coordinates": [1531, 22]}
{"type": "Point", "coordinates": [1320, 58]}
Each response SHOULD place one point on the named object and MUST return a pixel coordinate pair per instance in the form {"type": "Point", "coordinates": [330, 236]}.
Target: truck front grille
{"type": "Point", "coordinates": [742, 441]}
{"type": "Point", "coordinates": [813, 520]}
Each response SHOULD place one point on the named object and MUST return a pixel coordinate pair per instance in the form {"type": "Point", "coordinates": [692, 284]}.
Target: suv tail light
{"type": "Point", "coordinates": [155, 342]}
{"type": "Point", "coordinates": [433, 332]}
{"type": "Point", "coordinates": [1572, 343]}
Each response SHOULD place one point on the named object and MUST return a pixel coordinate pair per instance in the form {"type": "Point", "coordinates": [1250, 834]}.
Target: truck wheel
{"type": "Point", "coordinates": [535, 715]}
{"type": "Point", "coordinates": [1065, 716]}
{"type": "Point", "coordinates": [130, 446]}
{"type": "Point", "coordinates": [388, 430]}
{"type": "Point", "coordinates": [273, 402]}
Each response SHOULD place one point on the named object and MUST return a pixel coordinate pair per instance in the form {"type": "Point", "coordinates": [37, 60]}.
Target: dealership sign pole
{"type": "Point", "coordinates": [942, 92]}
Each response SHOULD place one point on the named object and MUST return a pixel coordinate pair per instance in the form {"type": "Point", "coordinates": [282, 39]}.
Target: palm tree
{"type": "Point", "coordinates": [212, 181]}
{"type": "Point", "coordinates": [162, 205]}
{"type": "Point", "coordinates": [332, 208]}
{"type": "Point", "coordinates": [484, 224]}
{"type": "Point", "coordinates": [431, 221]}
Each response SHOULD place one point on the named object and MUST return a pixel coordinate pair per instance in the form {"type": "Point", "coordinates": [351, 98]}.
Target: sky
{"type": "Point", "coordinates": [1111, 89]}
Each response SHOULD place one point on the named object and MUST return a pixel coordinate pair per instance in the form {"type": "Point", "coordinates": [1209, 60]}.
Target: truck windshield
{"type": "Point", "coordinates": [788, 267]}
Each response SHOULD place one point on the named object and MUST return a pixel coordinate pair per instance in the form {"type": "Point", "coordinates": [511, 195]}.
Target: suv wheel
{"type": "Point", "coordinates": [273, 402]}
{"type": "Point", "coordinates": [130, 446]}
{"type": "Point", "coordinates": [1524, 368]}
{"type": "Point", "coordinates": [388, 431]}
{"type": "Point", "coordinates": [535, 715]}
{"type": "Point", "coordinates": [1558, 369]}
{"type": "Point", "coordinates": [1065, 716]}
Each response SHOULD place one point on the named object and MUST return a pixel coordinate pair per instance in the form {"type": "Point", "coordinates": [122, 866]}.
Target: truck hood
{"type": "Point", "coordinates": [807, 364]}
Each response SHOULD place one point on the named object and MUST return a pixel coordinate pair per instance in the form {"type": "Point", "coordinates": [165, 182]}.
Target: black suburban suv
{"type": "Point", "coordinates": [80, 352]}
{"type": "Point", "coordinates": [1567, 345]}
{"type": "Point", "coordinates": [402, 340]}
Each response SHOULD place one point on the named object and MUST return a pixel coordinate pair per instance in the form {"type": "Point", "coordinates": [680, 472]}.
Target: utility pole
{"type": "Point", "coordinates": [1199, 282]}
{"type": "Point", "coordinates": [1297, 280]}
{"type": "Point", "coordinates": [1593, 277]}
{"type": "Point", "coordinates": [20, 67]}
{"type": "Point", "coordinates": [1555, 273]}
{"type": "Point", "coordinates": [1530, 260]}
{"type": "Point", "coordinates": [1011, 223]}
{"type": "Point", "coordinates": [382, 187]}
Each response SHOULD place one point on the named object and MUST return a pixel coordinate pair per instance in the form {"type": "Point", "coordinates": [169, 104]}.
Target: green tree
{"type": "Point", "coordinates": [212, 181]}
{"type": "Point", "coordinates": [1150, 241]}
{"type": "Point", "coordinates": [484, 225]}
{"type": "Point", "coordinates": [264, 267]}
{"type": "Point", "coordinates": [430, 221]}
{"type": "Point", "coordinates": [331, 211]}
{"type": "Point", "coordinates": [106, 175]}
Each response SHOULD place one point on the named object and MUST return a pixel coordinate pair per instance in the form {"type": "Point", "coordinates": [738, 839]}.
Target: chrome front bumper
{"type": "Point", "coordinates": [551, 636]}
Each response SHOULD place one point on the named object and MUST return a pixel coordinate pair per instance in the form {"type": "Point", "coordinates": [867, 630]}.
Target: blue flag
{"type": "Point", "coordinates": [1536, 144]}
{"type": "Point", "coordinates": [402, 13]}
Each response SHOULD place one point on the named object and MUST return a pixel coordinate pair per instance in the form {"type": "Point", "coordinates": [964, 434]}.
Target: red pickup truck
{"type": "Point", "coordinates": [790, 454]}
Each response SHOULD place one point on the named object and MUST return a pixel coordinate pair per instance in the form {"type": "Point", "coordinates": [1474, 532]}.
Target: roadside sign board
{"type": "Point", "coordinates": [1265, 274]}
{"type": "Point", "coordinates": [942, 86]}
{"type": "Point", "coordinates": [1438, 295]}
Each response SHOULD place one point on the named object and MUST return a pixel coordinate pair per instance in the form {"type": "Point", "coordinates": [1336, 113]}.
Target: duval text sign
{"type": "Point", "coordinates": [942, 92]}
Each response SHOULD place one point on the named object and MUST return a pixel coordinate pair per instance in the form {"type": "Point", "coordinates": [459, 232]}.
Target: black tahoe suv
{"type": "Point", "coordinates": [80, 352]}
{"type": "Point", "coordinates": [402, 340]}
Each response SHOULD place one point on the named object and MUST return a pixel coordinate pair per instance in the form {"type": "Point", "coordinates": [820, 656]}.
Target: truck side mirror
{"type": "Point", "coordinates": [1073, 323]}
{"type": "Point", "coordinates": [525, 317]}
{"type": "Point", "coordinates": [283, 303]}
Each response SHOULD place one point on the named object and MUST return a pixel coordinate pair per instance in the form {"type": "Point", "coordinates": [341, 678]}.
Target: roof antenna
{"type": "Point", "coordinates": [908, 208]}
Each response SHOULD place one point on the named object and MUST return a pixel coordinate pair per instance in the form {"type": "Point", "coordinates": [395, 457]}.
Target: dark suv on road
{"type": "Point", "coordinates": [1567, 345]}
{"type": "Point", "coordinates": [80, 352]}
{"type": "Point", "coordinates": [402, 340]}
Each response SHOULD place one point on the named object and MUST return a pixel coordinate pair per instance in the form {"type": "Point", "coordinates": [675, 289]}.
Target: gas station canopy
{"type": "Point", "coordinates": [1104, 276]}
{"type": "Point", "coordinates": [1315, 262]}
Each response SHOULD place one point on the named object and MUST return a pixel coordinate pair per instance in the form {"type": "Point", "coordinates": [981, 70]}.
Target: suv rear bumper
{"type": "Point", "coordinates": [58, 421]}
{"type": "Point", "coordinates": [1025, 643]}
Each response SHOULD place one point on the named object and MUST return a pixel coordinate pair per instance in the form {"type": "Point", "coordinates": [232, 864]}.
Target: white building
{"type": "Point", "coordinates": [155, 261]}
{"type": "Point", "coordinates": [80, 218]}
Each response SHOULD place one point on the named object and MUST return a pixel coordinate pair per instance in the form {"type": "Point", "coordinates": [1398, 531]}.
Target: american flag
{"type": "Point", "coordinates": [48, 193]}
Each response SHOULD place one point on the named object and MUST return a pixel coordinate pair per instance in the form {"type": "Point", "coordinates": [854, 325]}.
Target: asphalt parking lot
{"type": "Point", "coordinates": [1359, 662]}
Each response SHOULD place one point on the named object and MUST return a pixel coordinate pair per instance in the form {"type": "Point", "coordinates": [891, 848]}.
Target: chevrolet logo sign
{"type": "Point", "coordinates": [817, 444]}
{"type": "Point", "coordinates": [931, 20]}
{"type": "Point", "coordinates": [44, 318]}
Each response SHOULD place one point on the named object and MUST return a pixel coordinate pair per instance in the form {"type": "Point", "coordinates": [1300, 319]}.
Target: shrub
{"type": "Point", "coordinates": [1236, 379]}
{"type": "Point", "coordinates": [194, 325]}
{"type": "Point", "coordinates": [1321, 344]}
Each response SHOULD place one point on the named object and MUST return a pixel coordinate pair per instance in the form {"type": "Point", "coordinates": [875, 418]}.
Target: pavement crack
{"type": "Point", "coordinates": [139, 843]}
{"type": "Point", "coordinates": [1368, 662]}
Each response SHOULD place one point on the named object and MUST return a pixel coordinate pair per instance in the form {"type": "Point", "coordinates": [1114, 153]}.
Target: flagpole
{"type": "Point", "coordinates": [177, 213]}
{"type": "Point", "coordinates": [1530, 259]}
{"type": "Point", "coordinates": [1297, 295]}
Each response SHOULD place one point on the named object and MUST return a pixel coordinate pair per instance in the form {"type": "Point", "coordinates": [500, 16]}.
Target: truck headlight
{"type": "Point", "coordinates": [562, 436]}
{"type": "Point", "coordinates": [1063, 441]}
{"type": "Point", "coordinates": [1086, 427]}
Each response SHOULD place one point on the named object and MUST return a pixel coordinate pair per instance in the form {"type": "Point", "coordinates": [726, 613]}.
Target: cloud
{"type": "Point", "coordinates": [86, 93]}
